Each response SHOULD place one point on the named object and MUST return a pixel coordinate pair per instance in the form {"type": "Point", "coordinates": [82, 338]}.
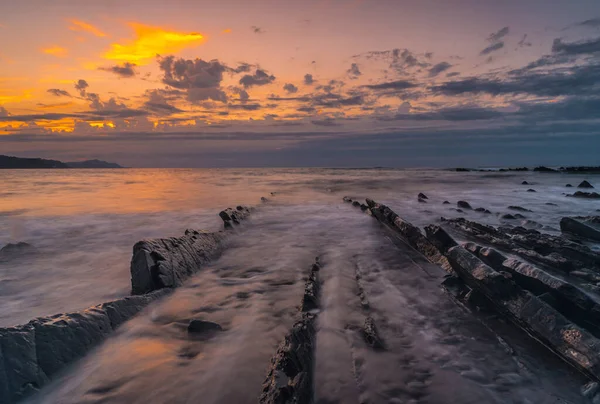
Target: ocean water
{"type": "Point", "coordinates": [85, 222]}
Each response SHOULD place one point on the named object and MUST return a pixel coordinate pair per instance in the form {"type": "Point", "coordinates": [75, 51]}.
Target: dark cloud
{"type": "Point", "coordinates": [309, 110]}
{"type": "Point", "coordinates": [332, 85]}
{"type": "Point", "coordinates": [125, 70]}
{"type": "Point", "coordinates": [58, 92]}
{"type": "Point", "coordinates": [81, 86]}
{"type": "Point", "coordinates": [290, 88]}
{"type": "Point", "coordinates": [243, 94]}
{"type": "Point", "coordinates": [327, 102]}
{"type": "Point", "coordinates": [259, 78]}
{"type": "Point", "coordinates": [524, 42]}
{"type": "Point", "coordinates": [354, 71]}
{"type": "Point", "coordinates": [37, 117]}
{"type": "Point", "coordinates": [576, 80]}
{"type": "Point", "coordinates": [246, 107]}
{"type": "Point", "coordinates": [201, 79]}
{"type": "Point", "coordinates": [158, 103]}
{"type": "Point", "coordinates": [308, 79]}
{"type": "Point", "coordinates": [393, 85]}
{"type": "Point", "coordinates": [492, 48]}
{"type": "Point", "coordinates": [399, 60]}
{"type": "Point", "coordinates": [453, 74]}
{"type": "Point", "coordinates": [242, 68]}
{"type": "Point", "coordinates": [591, 46]}
{"type": "Point", "coordinates": [453, 114]}
{"type": "Point", "coordinates": [325, 122]}
{"type": "Point", "coordinates": [497, 36]}
{"type": "Point", "coordinates": [593, 22]}
{"type": "Point", "coordinates": [439, 68]}
{"type": "Point", "coordinates": [257, 30]}
{"type": "Point", "coordinates": [122, 113]}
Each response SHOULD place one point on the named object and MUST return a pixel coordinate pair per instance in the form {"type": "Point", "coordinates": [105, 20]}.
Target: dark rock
{"type": "Point", "coordinates": [519, 216]}
{"type": "Point", "coordinates": [263, 199]}
{"type": "Point", "coordinates": [550, 204]}
{"type": "Point", "coordinates": [422, 200]}
{"type": "Point", "coordinates": [347, 199]}
{"type": "Point", "coordinates": [166, 263]}
{"type": "Point", "coordinates": [545, 169]}
{"type": "Point", "coordinates": [463, 204]}
{"type": "Point", "coordinates": [460, 169]}
{"type": "Point", "coordinates": [531, 190]}
{"type": "Point", "coordinates": [482, 210]}
{"type": "Point", "coordinates": [34, 353]}
{"type": "Point", "coordinates": [202, 326]}
{"type": "Point", "coordinates": [356, 203]}
{"type": "Point", "coordinates": [363, 207]}
{"type": "Point", "coordinates": [507, 216]}
{"type": "Point", "coordinates": [460, 210]}
{"type": "Point", "coordinates": [587, 195]}
{"type": "Point", "coordinates": [584, 184]}
{"type": "Point", "coordinates": [13, 250]}
{"type": "Point", "coordinates": [577, 228]}
{"type": "Point", "coordinates": [524, 183]}
{"type": "Point", "coordinates": [572, 343]}
{"type": "Point", "coordinates": [569, 186]}
{"type": "Point", "coordinates": [422, 196]}
{"type": "Point", "coordinates": [439, 238]}
{"type": "Point", "coordinates": [371, 335]}
{"type": "Point", "coordinates": [445, 203]}
{"type": "Point", "coordinates": [225, 216]}
{"type": "Point", "coordinates": [519, 208]}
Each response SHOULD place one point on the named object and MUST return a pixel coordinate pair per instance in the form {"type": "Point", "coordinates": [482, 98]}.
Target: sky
{"type": "Point", "coordinates": [336, 83]}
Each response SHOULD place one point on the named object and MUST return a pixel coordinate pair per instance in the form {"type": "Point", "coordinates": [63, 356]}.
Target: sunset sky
{"type": "Point", "coordinates": [185, 83]}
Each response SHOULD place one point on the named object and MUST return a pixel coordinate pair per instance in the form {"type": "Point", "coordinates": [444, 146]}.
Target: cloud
{"type": "Point", "coordinates": [243, 68]}
{"type": "Point", "coordinates": [58, 92]}
{"type": "Point", "coordinates": [257, 30]}
{"type": "Point", "coordinates": [149, 42]}
{"type": "Point", "coordinates": [452, 114]}
{"type": "Point", "coordinates": [125, 70]}
{"type": "Point", "coordinates": [325, 122]}
{"type": "Point", "coordinates": [81, 86]}
{"type": "Point", "coordinates": [243, 94]}
{"type": "Point", "coordinates": [307, 109]}
{"type": "Point", "coordinates": [354, 71]}
{"type": "Point", "coordinates": [246, 107]}
{"type": "Point", "coordinates": [226, 31]}
{"type": "Point", "coordinates": [497, 36]}
{"type": "Point", "coordinates": [593, 22]}
{"type": "Point", "coordinates": [337, 101]}
{"type": "Point", "coordinates": [57, 51]}
{"type": "Point", "coordinates": [308, 79]}
{"type": "Point", "coordinates": [201, 79]}
{"type": "Point", "coordinates": [523, 42]}
{"type": "Point", "coordinates": [392, 85]}
{"type": "Point", "coordinates": [77, 25]}
{"type": "Point", "coordinates": [3, 112]}
{"type": "Point", "coordinates": [439, 68]}
{"type": "Point", "coordinates": [158, 102]}
{"type": "Point", "coordinates": [290, 88]}
{"type": "Point", "coordinates": [259, 78]}
{"type": "Point", "coordinates": [590, 46]}
{"type": "Point", "coordinates": [492, 48]}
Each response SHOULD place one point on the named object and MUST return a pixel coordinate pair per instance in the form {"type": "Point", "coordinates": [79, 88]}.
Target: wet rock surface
{"type": "Point", "coordinates": [15, 250]}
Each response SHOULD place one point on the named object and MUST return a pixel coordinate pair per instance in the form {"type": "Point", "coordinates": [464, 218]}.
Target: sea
{"type": "Point", "coordinates": [84, 223]}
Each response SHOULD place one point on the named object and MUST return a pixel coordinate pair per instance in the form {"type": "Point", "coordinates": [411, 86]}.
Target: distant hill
{"type": "Point", "coordinates": [92, 164]}
{"type": "Point", "coordinates": [20, 162]}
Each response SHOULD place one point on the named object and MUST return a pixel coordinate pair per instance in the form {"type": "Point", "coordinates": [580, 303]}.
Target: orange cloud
{"type": "Point", "coordinates": [85, 27]}
{"type": "Point", "coordinates": [57, 51]}
{"type": "Point", "coordinates": [151, 41]}
{"type": "Point", "coordinates": [227, 31]}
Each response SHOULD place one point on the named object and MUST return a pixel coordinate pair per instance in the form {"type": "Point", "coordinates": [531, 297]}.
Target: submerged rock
{"type": "Point", "coordinates": [445, 203]}
{"type": "Point", "coordinates": [482, 210]}
{"type": "Point", "coordinates": [422, 196]}
{"type": "Point", "coordinates": [519, 208]}
{"type": "Point", "coordinates": [531, 190]}
{"type": "Point", "coordinates": [524, 183]}
{"type": "Point", "coordinates": [580, 229]}
{"type": "Point", "coordinates": [569, 186]}
{"type": "Point", "coordinates": [12, 250]}
{"type": "Point", "coordinates": [587, 195]}
{"type": "Point", "coordinates": [463, 204]}
{"type": "Point", "coordinates": [202, 326]}
{"type": "Point", "coordinates": [584, 184]}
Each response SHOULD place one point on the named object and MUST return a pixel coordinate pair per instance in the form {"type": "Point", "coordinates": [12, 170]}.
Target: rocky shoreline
{"type": "Point", "coordinates": [549, 286]}
{"type": "Point", "coordinates": [33, 354]}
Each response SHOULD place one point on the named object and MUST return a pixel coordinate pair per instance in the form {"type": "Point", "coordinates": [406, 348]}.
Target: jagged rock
{"type": "Point", "coordinates": [524, 183]}
{"type": "Point", "coordinates": [445, 203]}
{"type": "Point", "coordinates": [482, 210]}
{"type": "Point", "coordinates": [545, 169]}
{"type": "Point", "coordinates": [577, 228]}
{"type": "Point", "coordinates": [585, 184]}
{"type": "Point", "coordinates": [422, 196]}
{"type": "Point", "coordinates": [569, 186]}
{"type": "Point", "coordinates": [422, 200]}
{"type": "Point", "coordinates": [201, 326]}
{"type": "Point", "coordinates": [531, 190]}
{"type": "Point", "coordinates": [463, 204]}
{"type": "Point", "coordinates": [519, 208]}
{"type": "Point", "coordinates": [263, 199]}
{"type": "Point", "coordinates": [363, 207]}
{"type": "Point", "coordinates": [166, 263]}
{"type": "Point", "coordinates": [310, 299]}
{"type": "Point", "coordinates": [572, 343]}
{"type": "Point", "coordinates": [587, 195]}
{"type": "Point", "coordinates": [439, 238]}
{"type": "Point", "coordinates": [371, 335]}
{"type": "Point", "coordinates": [460, 210]}
{"type": "Point", "coordinates": [13, 250]}
{"type": "Point", "coordinates": [356, 203]}
{"type": "Point", "coordinates": [410, 233]}
{"type": "Point", "coordinates": [32, 354]}
{"type": "Point", "coordinates": [290, 377]}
